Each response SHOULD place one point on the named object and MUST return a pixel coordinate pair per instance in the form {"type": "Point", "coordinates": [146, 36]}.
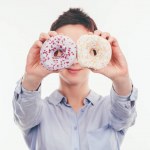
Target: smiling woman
{"type": "Point", "coordinates": [20, 25]}
{"type": "Point", "coordinates": [74, 116]}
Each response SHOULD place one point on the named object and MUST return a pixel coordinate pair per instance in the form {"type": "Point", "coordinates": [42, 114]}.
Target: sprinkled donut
{"type": "Point", "coordinates": [58, 52]}
{"type": "Point", "coordinates": [93, 51]}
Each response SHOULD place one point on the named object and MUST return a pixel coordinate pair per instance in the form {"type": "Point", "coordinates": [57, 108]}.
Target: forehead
{"type": "Point", "coordinates": [73, 31]}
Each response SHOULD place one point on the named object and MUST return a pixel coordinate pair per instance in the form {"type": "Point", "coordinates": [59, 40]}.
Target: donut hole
{"type": "Point", "coordinates": [57, 53]}
{"type": "Point", "coordinates": [93, 52]}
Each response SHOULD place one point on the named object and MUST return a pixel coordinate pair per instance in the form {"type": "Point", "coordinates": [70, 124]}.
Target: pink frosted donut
{"type": "Point", "coordinates": [58, 52]}
{"type": "Point", "coordinates": [93, 51]}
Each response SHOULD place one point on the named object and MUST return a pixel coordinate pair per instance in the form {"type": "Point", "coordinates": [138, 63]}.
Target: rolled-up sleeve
{"type": "Point", "coordinates": [122, 110]}
{"type": "Point", "coordinates": [27, 106]}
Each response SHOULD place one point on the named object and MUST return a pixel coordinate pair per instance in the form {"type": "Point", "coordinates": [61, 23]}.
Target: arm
{"type": "Point", "coordinates": [35, 72]}
{"type": "Point", "coordinates": [27, 106]}
{"type": "Point", "coordinates": [27, 101]}
{"type": "Point", "coordinates": [122, 110]}
{"type": "Point", "coordinates": [123, 95]}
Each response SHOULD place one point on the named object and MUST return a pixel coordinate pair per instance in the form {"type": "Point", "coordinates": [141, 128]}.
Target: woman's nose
{"type": "Point", "coordinates": [75, 61]}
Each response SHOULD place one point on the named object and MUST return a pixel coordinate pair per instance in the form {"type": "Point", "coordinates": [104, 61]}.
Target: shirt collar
{"type": "Point", "coordinates": [93, 97]}
{"type": "Point", "coordinates": [56, 97]}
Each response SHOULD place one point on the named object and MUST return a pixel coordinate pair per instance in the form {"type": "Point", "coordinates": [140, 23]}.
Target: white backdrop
{"type": "Point", "coordinates": [20, 25]}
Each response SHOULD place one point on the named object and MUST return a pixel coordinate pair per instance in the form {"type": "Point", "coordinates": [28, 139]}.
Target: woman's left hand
{"type": "Point", "coordinates": [117, 67]}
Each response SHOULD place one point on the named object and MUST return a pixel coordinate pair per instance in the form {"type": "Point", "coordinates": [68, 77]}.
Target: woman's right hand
{"type": "Point", "coordinates": [34, 71]}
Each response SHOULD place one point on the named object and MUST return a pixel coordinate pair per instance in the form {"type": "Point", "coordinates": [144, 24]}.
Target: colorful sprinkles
{"type": "Point", "coordinates": [61, 45]}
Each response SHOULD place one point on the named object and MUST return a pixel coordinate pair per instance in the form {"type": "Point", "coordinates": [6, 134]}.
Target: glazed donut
{"type": "Point", "coordinates": [93, 51]}
{"type": "Point", "coordinates": [58, 52]}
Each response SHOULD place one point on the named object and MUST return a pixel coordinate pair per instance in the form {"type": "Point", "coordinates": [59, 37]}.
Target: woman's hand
{"type": "Point", "coordinates": [117, 68]}
{"type": "Point", "coordinates": [34, 71]}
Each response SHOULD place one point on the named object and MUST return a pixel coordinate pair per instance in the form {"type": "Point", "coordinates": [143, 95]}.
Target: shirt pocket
{"type": "Point", "coordinates": [104, 138]}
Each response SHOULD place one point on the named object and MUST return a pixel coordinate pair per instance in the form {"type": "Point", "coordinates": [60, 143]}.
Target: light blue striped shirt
{"type": "Point", "coordinates": [52, 124]}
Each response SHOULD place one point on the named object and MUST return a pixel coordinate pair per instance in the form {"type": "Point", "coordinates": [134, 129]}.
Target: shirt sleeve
{"type": "Point", "coordinates": [27, 106]}
{"type": "Point", "coordinates": [122, 110]}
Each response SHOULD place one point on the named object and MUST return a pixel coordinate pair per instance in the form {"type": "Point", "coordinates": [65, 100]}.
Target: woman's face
{"type": "Point", "coordinates": [75, 74]}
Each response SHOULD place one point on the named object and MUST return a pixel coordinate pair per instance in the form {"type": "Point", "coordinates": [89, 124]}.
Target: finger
{"type": "Point", "coordinates": [60, 33]}
{"type": "Point", "coordinates": [94, 70]}
{"type": "Point", "coordinates": [113, 41]}
{"type": "Point", "coordinates": [37, 44]}
{"type": "Point", "coordinates": [43, 37]}
{"type": "Point", "coordinates": [98, 32]}
{"type": "Point", "coordinates": [90, 33]}
{"type": "Point", "coordinates": [35, 49]}
{"type": "Point", "coordinates": [52, 33]}
{"type": "Point", "coordinates": [116, 51]}
{"type": "Point", "coordinates": [49, 71]}
{"type": "Point", "coordinates": [105, 35]}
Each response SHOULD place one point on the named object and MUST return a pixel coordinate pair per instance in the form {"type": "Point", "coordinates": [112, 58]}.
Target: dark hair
{"type": "Point", "coordinates": [74, 16]}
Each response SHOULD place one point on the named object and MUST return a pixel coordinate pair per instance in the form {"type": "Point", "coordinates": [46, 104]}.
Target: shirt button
{"type": "Point", "coordinates": [75, 128]}
{"type": "Point", "coordinates": [82, 110]}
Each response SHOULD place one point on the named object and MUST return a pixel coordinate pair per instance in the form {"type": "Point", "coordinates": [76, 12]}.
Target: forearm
{"type": "Point", "coordinates": [122, 85]}
{"type": "Point", "coordinates": [27, 107]}
{"type": "Point", "coordinates": [30, 82]}
{"type": "Point", "coordinates": [122, 111]}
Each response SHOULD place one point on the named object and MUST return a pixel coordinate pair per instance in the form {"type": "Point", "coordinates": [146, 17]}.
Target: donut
{"type": "Point", "coordinates": [93, 51]}
{"type": "Point", "coordinates": [58, 52]}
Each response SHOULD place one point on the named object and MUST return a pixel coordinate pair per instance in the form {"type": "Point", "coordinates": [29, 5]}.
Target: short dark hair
{"type": "Point", "coordinates": [74, 16]}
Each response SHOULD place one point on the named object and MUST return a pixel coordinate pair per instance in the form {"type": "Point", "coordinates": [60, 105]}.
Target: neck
{"type": "Point", "coordinates": [75, 93]}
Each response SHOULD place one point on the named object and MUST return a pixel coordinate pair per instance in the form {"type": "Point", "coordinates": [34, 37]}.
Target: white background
{"type": "Point", "coordinates": [20, 25]}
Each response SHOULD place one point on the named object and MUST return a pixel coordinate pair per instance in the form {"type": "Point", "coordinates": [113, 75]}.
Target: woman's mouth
{"type": "Point", "coordinates": [72, 70]}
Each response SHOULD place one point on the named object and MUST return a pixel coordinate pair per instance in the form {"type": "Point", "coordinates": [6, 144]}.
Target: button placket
{"type": "Point", "coordinates": [75, 133]}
